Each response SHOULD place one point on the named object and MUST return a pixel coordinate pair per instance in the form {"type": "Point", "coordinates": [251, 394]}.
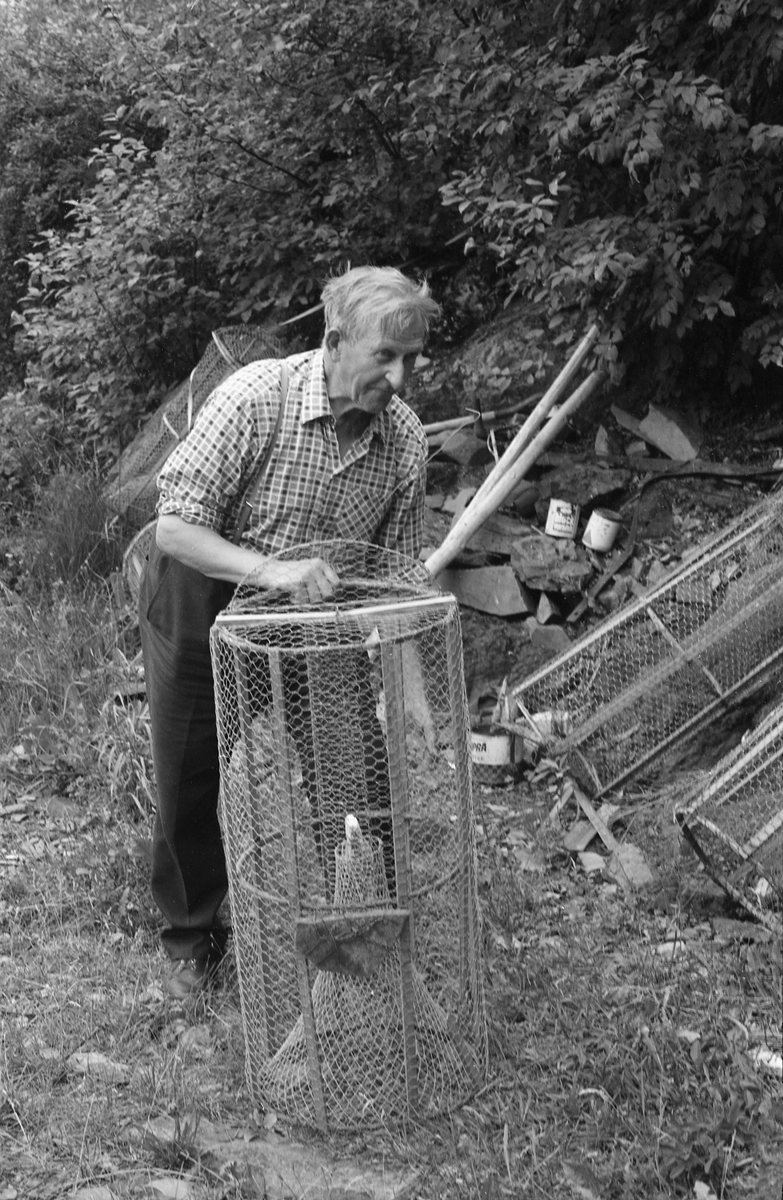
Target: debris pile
{"type": "Point", "coordinates": [650, 678]}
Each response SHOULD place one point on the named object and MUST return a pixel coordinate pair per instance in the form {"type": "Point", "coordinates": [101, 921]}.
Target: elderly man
{"type": "Point", "coordinates": [343, 457]}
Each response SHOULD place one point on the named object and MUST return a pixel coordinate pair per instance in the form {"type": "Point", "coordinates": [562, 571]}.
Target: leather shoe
{"type": "Point", "coordinates": [187, 977]}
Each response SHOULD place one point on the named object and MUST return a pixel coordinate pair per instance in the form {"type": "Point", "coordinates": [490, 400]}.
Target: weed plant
{"type": "Point", "coordinates": [71, 690]}
{"type": "Point", "coordinates": [75, 542]}
{"type": "Point", "coordinates": [81, 965]}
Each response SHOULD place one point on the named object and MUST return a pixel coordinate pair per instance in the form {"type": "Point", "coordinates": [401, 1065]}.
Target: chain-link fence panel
{"type": "Point", "coordinates": [644, 684]}
{"type": "Point", "coordinates": [734, 821]}
{"type": "Point", "coordinates": [131, 491]}
{"type": "Point", "coordinates": [348, 824]}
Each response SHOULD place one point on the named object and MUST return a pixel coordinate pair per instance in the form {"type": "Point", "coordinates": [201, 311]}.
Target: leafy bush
{"type": "Point", "coordinates": [99, 316]}
{"type": "Point", "coordinates": [52, 106]}
{"type": "Point", "coordinates": [631, 166]}
{"type": "Point", "coordinates": [601, 159]}
{"type": "Point", "coordinates": [279, 149]}
{"type": "Point", "coordinates": [30, 443]}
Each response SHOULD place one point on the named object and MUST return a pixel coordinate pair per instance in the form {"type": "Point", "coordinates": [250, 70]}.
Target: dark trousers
{"type": "Point", "coordinates": [189, 881]}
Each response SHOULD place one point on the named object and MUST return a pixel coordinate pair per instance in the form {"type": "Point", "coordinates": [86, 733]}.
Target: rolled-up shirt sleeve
{"type": "Point", "coordinates": [206, 472]}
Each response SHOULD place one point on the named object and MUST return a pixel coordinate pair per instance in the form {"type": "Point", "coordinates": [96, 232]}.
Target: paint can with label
{"type": "Point", "coordinates": [562, 519]}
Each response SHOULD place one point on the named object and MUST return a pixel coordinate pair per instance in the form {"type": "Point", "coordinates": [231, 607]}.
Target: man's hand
{"type": "Point", "coordinates": [308, 580]}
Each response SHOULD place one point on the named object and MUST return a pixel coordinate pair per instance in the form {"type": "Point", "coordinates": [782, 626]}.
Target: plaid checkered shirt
{"type": "Point", "coordinates": [375, 494]}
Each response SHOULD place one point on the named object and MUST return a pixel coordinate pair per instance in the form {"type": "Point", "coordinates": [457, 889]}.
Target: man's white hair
{"type": "Point", "coordinates": [364, 299]}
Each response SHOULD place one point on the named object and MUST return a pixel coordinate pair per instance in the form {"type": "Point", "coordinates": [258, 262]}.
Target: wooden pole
{"type": "Point", "coordinates": [470, 418]}
{"type": "Point", "coordinates": [539, 413]}
{"type": "Point", "coordinates": [453, 423]}
{"type": "Point", "coordinates": [480, 506]}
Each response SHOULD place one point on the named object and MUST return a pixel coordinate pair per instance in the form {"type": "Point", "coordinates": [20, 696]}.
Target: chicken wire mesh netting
{"type": "Point", "coordinates": [636, 691]}
{"type": "Point", "coordinates": [131, 490]}
{"type": "Point", "coordinates": [348, 825]}
{"type": "Point", "coordinates": [735, 821]}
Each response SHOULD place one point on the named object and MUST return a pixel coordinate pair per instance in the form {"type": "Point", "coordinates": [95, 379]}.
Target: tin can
{"type": "Point", "coordinates": [562, 519]}
{"type": "Point", "coordinates": [601, 530]}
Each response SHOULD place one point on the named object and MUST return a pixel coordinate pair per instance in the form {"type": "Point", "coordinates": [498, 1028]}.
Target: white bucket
{"type": "Point", "coordinates": [602, 529]}
{"type": "Point", "coordinates": [562, 519]}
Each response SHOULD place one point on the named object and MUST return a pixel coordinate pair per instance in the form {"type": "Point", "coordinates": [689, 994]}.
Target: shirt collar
{"type": "Point", "coordinates": [315, 401]}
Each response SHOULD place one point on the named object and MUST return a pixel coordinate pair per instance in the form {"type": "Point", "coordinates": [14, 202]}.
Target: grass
{"type": "Point", "coordinates": [619, 1071]}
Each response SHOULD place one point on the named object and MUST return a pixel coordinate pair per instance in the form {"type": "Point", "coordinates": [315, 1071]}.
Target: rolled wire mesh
{"type": "Point", "coordinates": [635, 691]}
{"type": "Point", "coordinates": [358, 956]}
{"type": "Point", "coordinates": [131, 490]}
{"type": "Point", "coordinates": [735, 821]}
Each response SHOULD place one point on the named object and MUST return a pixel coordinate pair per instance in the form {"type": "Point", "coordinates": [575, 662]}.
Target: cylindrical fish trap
{"type": "Point", "coordinates": [734, 821]}
{"type": "Point", "coordinates": [348, 825]}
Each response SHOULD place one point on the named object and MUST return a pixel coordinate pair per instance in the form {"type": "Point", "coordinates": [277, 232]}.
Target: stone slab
{"type": "Point", "coordinates": [493, 590]}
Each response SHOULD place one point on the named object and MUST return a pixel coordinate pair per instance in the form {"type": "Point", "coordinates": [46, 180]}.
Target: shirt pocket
{"type": "Point", "coordinates": [360, 513]}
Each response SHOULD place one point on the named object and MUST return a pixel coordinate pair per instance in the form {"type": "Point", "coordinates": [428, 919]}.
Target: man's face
{"type": "Point", "coordinates": [368, 371]}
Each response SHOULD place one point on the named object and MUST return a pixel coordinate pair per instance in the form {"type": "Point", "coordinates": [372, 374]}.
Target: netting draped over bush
{"type": "Point", "coordinates": [348, 824]}
{"type": "Point", "coordinates": [131, 490]}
